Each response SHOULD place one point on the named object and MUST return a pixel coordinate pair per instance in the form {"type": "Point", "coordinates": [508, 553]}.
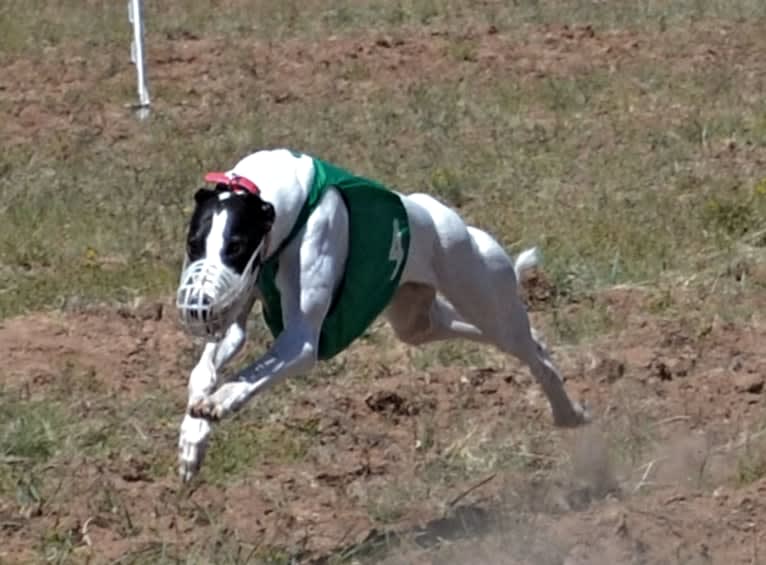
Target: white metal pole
{"type": "Point", "coordinates": [136, 17]}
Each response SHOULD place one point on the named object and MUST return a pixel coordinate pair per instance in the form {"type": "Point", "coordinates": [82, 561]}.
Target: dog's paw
{"type": "Point", "coordinates": [207, 408]}
{"type": "Point", "coordinates": [192, 445]}
{"type": "Point", "coordinates": [578, 416]}
{"type": "Point", "coordinates": [584, 414]}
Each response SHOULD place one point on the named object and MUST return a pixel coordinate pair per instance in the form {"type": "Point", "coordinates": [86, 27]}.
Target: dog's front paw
{"type": "Point", "coordinates": [192, 445]}
{"type": "Point", "coordinates": [207, 408]}
{"type": "Point", "coordinates": [577, 416]}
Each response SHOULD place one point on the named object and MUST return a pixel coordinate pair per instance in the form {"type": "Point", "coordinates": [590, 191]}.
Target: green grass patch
{"type": "Point", "coordinates": [32, 433]}
{"type": "Point", "coordinates": [240, 445]}
{"type": "Point", "coordinates": [31, 430]}
{"type": "Point", "coordinates": [37, 290]}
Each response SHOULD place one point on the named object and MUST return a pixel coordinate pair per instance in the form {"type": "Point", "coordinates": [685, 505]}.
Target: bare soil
{"type": "Point", "coordinates": [51, 95]}
{"type": "Point", "coordinates": [695, 390]}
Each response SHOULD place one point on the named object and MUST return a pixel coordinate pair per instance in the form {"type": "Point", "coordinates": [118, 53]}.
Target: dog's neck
{"type": "Point", "coordinates": [284, 181]}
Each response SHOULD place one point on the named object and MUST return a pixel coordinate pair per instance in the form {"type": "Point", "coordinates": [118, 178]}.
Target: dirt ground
{"type": "Point", "coordinates": [689, 392]}
{"type": "Point", "coordinates": [209, 71]}
{"type": "Point", "coordinates": [696, 389]}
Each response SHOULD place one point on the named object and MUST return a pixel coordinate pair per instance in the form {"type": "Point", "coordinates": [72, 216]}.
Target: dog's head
{"type": "Point", "coordinates": [225, 243]}
{"type": "Point", "coordinates": [227, 223]}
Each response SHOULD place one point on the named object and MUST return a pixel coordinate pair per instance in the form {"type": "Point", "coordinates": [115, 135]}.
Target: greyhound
{"type": "Point", "coordinates": [326, 252]}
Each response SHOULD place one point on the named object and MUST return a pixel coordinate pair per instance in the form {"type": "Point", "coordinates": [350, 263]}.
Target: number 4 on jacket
{"type": "Point", "coordinates": [397, 251]}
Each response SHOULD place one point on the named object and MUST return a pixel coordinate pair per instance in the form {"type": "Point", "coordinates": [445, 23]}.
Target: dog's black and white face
{"type": "Point", "coordinates": [229, 225]}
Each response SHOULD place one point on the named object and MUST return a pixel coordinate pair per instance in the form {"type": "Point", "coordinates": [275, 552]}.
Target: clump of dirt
{"type": "Point", "coordinates": [537, 291]}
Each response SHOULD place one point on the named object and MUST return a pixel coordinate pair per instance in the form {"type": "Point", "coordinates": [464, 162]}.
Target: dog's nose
{"type": "Point", "coordinates": [203, 302]}
{"type": "Point", "coordinates": [197, 302]}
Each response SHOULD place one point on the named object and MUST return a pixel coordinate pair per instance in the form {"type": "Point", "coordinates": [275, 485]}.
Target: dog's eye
{"type": "Point", "coordinates": [234, 248]}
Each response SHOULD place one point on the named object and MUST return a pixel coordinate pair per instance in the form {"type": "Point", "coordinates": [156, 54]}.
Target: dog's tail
{"type": "Point", "coordinates": [524, 261]}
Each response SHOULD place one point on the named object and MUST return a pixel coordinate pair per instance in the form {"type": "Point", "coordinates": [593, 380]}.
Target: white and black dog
{"type": "Point", "coordinates": [326, 252]}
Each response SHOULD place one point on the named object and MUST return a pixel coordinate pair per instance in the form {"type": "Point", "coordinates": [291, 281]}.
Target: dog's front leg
{"type": "Point", "coordinates": [293, 354]}
{"type": "Point", "coordinates": [194, 433]}
{"type": "Point", "coordinates": [310, 270]}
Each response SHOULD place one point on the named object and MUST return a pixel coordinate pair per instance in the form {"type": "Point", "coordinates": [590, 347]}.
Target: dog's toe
{"type": "Point", "coordinates": [187, 470]}
{"type": "Point", "coordinates": [192, 445]}
{"type": "Point", "coordinates": [579, 416]}
{"type": "Point", "coordinates": [205, 408]}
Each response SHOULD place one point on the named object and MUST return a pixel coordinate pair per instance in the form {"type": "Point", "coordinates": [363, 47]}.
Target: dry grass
{"type": "Point", "coordinates": [632, 159]}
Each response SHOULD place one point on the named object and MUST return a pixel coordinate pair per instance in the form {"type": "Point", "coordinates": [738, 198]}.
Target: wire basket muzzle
{"type": "Point", "coordinates": [208, 297]}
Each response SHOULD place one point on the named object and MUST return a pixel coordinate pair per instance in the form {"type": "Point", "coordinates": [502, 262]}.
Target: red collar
{"type": "Point", "coordinates": [236, 182]}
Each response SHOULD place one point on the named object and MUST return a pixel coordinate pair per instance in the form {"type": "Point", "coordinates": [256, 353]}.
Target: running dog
{"type": "Point", "coordinates": [325, 252]}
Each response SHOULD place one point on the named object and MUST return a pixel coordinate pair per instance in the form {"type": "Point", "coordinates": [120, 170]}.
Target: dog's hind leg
{"type": "Point", "coordinates": [477, 280]}
{"type": "Point", "coordinates": [521, 342]}
{"type": "Point", "coordinates": [486, 293]}
{"type": "Point", "coordinates": [418, 315]}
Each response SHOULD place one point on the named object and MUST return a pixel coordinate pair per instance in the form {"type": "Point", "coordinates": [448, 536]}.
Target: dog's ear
{"type": "Point", "coordinates": [267, 214]}
{"type": "Point", "coordinates": [203, 195]}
